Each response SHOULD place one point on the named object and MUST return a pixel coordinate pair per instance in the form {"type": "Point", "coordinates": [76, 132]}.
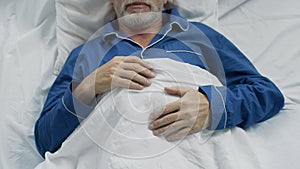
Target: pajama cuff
{"type": "Point", "coordinates": [75, 106]}
{"type": "Point", "coordinates": [216, 99]}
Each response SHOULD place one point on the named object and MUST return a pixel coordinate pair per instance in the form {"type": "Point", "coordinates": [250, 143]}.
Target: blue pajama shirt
{"type": "Point", "coordinates": [245, 99]}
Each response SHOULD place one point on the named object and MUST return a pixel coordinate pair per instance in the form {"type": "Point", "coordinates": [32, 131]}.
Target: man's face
{"type": "Point", "coordinates": [127, 7]}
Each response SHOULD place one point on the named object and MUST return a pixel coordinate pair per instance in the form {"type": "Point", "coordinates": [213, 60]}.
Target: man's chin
{"type": "Point", "coordinates": [136, 14]}
{"type": "Point", "coordinates": [141, 19]}
{"type": "Point", "coordinates": [136, 27]}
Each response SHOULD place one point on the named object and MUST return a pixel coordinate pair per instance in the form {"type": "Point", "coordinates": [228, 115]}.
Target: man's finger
{"type": "Point", "coordinates": [177, 90]}
{"type": "Point", "coordinates": [133, 76]}
{"type": "Point", "coordinates": [178, 135]}
{"type": "Point", "coordinates": [134, 59]}
{"type": "Point", "coordinates": [167, 109]}
{"type": "Point", "coordinates": [169, 129]}
{"type": "Point", "coordinates": [163, 121]}
{"type": "Point", "coordinates": [138, 69]}
{"type": "Point", "coordinates": [125, 83]}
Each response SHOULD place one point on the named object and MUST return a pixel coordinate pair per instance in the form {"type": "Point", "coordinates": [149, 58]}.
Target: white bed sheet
{"type": "Point", "coordinates": [267, 31]}
{"type": "Point", "coordinates": [27, 50]}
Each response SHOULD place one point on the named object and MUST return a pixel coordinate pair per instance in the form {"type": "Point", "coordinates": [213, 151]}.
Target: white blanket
{"type": "Point", "coordinates": [116, 134]}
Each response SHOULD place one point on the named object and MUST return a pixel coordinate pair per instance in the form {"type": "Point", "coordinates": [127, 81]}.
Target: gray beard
{"type": "Point", "coordinates": [140, 21]}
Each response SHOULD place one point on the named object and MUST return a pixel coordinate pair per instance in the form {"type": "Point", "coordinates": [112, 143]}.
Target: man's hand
{"type": "Point", "coordinates": [189, 114]}
{"type": "Point", "coordinates": [128, 72]}
{"type": "Point", "coordinates": [122, 71]}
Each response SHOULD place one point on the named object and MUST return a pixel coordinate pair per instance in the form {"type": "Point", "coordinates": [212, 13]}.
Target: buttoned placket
{"type": "Point", "coordinates": [143, 48]}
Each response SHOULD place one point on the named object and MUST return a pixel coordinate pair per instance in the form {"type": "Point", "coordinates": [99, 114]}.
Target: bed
{"type": "Point", "coordinates": [36, 36]}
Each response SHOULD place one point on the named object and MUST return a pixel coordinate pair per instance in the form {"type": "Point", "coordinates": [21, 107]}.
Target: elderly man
{"type": "Point", "coordinates": [116, 59]}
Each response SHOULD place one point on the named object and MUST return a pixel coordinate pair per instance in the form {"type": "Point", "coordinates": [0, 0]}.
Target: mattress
{"type": "Point", "coordinates": [266, 31]}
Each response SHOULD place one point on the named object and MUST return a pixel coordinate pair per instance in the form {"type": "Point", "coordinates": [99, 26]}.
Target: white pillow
{"type": "Point", "coordinates": [227, 6]}
{"type": "Point", "coordinates": [77, 20]}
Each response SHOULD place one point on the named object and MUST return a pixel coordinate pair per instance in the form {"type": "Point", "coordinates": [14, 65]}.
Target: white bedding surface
{"type": "Point", "coordinates": [27, 54]}
{"type": "Point", "coordinates": [267, 31]}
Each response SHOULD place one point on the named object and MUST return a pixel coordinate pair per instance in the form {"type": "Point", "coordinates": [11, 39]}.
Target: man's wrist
{"type": "Point", "coordinates": [85, 93]}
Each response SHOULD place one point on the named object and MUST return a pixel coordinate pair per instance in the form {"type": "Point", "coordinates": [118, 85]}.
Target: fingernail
{"type": "Point", "coordinates": [151, 117]}
{"type": "Point", "coordinates": [150, 66]}
{"type": "Point", "coordinates": [153, 74]}
{"type": "Point", "coordinates": [151, 126]}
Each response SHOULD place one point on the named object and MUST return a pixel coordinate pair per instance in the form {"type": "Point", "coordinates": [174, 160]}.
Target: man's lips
{"type": "Point", "coordinates": [138, 5]}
